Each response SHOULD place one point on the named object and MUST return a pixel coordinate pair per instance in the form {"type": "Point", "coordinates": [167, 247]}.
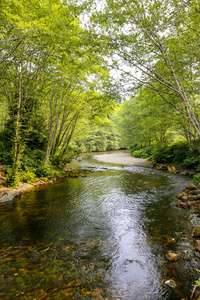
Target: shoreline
{"type": "Point", "coordinates": [122, 157]}
{"type": "Point", "coordinates": [9, 194]}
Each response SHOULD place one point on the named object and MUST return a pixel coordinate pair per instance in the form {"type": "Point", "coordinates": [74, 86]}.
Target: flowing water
{"type": "Point", "coordinates": [104, 236]}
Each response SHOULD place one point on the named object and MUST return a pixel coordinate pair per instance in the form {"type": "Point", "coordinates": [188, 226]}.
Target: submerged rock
{"type": "Point", "coordinates": [197, 247]}
{"type": "Point", "coordinates": [172, 257]}
{"type": "Point", "coordinates": [196, 231]}
{"type": "Point", "coordinates": [181, 204]}
{"type": "Point", "coordinates": [171, 283]}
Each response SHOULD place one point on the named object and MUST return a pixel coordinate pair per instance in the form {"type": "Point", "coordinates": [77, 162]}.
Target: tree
{"type": "Point", "coordinates": [44, 50]}
{"type": "Point", "coordinates": [160, 39]}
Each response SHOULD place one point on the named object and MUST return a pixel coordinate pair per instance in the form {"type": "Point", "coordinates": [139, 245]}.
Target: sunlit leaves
{"type": "Point", "coordinates": [160, 39]}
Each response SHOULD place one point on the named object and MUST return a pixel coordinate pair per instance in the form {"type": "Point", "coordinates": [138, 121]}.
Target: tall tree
{"type": "Point", "coordinates": [160, 39]}
{"type": "Point", "coordinates": [37, 41]}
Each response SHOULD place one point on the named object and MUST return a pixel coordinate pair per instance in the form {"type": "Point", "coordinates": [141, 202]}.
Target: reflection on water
{"type": "Point", "coordinates": [100, 237]}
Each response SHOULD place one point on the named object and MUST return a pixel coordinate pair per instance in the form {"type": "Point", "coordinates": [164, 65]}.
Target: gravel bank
{"type": "Point", "coordinates": [122, 158]}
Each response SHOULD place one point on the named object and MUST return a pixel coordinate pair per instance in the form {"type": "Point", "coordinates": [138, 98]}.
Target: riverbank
{"type": "Point", "coordinates": [8, 194]}
{"type": "Point", "coordinates": [118, 157]}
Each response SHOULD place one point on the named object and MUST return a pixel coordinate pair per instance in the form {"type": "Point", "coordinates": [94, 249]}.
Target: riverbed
{"type": "Point", "coordinates": [104, 236]}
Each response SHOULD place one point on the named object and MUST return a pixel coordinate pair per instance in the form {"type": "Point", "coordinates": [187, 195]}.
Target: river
{"type": "Point", "coordinates": [104, 236]}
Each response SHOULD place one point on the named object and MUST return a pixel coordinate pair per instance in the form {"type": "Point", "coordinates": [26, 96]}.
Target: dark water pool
{"type": "Point", "coordinates": [104, 236]}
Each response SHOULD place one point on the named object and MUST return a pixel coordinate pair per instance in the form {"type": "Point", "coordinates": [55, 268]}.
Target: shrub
{"type": "Point", "coordinates": [5, 153]}
{"type": "Point", "coordinates": [46, 171]}
{"type": "Point", "coordinates": [179, 151]}
{"type": "Point", "coordinates": [196, 178]}
{"type": "Point", "coordinates": [191, 162]}
{"type": "Point", "coordinates": [32, 159]}
{"type": "Point", "coordinates": [58, 173]}
{"type": "Point", "coordinates": [27, 176]}
{"type": "Point", "coordinates": [161, 154]}
{"type": "Point", "coordinates": [134, 148]}
{"type": "Point", "coordinates": [140, 153]}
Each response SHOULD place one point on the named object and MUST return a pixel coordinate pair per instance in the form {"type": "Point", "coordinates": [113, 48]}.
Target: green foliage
{"type": "Point", "coordinates": [58, 173]}
{"type": "Point", "coordinates": [196, 178]}
{"type": "Point", "coordinates": [191, 162]}
{"type": "Point", "coordinates": [45, 171]}
{"type": "Point", "coordinates": [177, 153]}
{"type": "Point", "coordinates": [157, 44]}
{"type": "Point", "coordinates": [50, 75]}
{"type": "Point", "coordinates": [140, 153]}
{"type": "Point", "coordinates": [12, 181]}
{"type": "Point", "coordinates": [5, 149]}
{"type": "Point", "coordinates": [27, 176]}
{"type": "Point", "coordinates": [32, 159]}
{"type": "Point", "coordinates": [161, 154]}
{"type": "Point", "coordinates": [100, 135]}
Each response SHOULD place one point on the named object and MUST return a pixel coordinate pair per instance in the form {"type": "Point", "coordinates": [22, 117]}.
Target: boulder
{"type": "Point", "coordinates": [195, 192]}
{"type": "Point", "coordinates": [171, 169]}
{"type": "Point", "coordinates": [9, 196]}
{"type": "Point", "coordinates": [192, 187]}
{"type": "Point", "coordinates": [186, 198]}
{"type": "Point", "coordinates": [180, 195]}
{"type": "Point", "coordinates": [196, 231]}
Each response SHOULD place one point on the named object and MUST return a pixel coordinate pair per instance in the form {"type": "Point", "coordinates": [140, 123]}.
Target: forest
{"type": "Point", "coordinates": [79, 76]}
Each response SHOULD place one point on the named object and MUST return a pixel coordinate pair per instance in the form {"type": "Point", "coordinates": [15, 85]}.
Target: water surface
{"type": "Point", "coordinates": [104, 236]}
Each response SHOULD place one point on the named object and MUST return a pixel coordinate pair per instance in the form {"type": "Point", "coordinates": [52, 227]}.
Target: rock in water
{"type": "Point", "coordinates": [197, 247]}
{"type": "Point", "coordinates": [196, 231]}
{"type": "Point", "coordinates": [172, 257]}
{"type": "Point", "coordinates": [171, 283]}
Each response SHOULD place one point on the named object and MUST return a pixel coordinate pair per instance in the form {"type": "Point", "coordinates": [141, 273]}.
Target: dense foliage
{"type": "Point", "coordinates": [52, 81]}
{"type": "Point", "coordinates": [63, 64]}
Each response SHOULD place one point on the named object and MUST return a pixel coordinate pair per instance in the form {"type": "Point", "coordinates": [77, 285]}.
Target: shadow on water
{"type": "Point", "coordinates": [100, 237]}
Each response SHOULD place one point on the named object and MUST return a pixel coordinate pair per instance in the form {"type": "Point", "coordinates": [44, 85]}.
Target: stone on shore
{"type": "Point", "coordinates": [10, 195]}
{"type": "Point", "coordinates": [181, 194]}
{"type": "Point", "coordinates": [192, 187]}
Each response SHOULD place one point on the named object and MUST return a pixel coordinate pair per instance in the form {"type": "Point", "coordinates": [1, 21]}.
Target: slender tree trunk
{"type": "Point", "coordinates": [17, 127]}
{"type": "Point", "coordinates": [73, 126]}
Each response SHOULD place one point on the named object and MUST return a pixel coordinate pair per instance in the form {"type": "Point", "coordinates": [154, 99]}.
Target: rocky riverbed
{"type": "Point", "coordinates": [189, 197]}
